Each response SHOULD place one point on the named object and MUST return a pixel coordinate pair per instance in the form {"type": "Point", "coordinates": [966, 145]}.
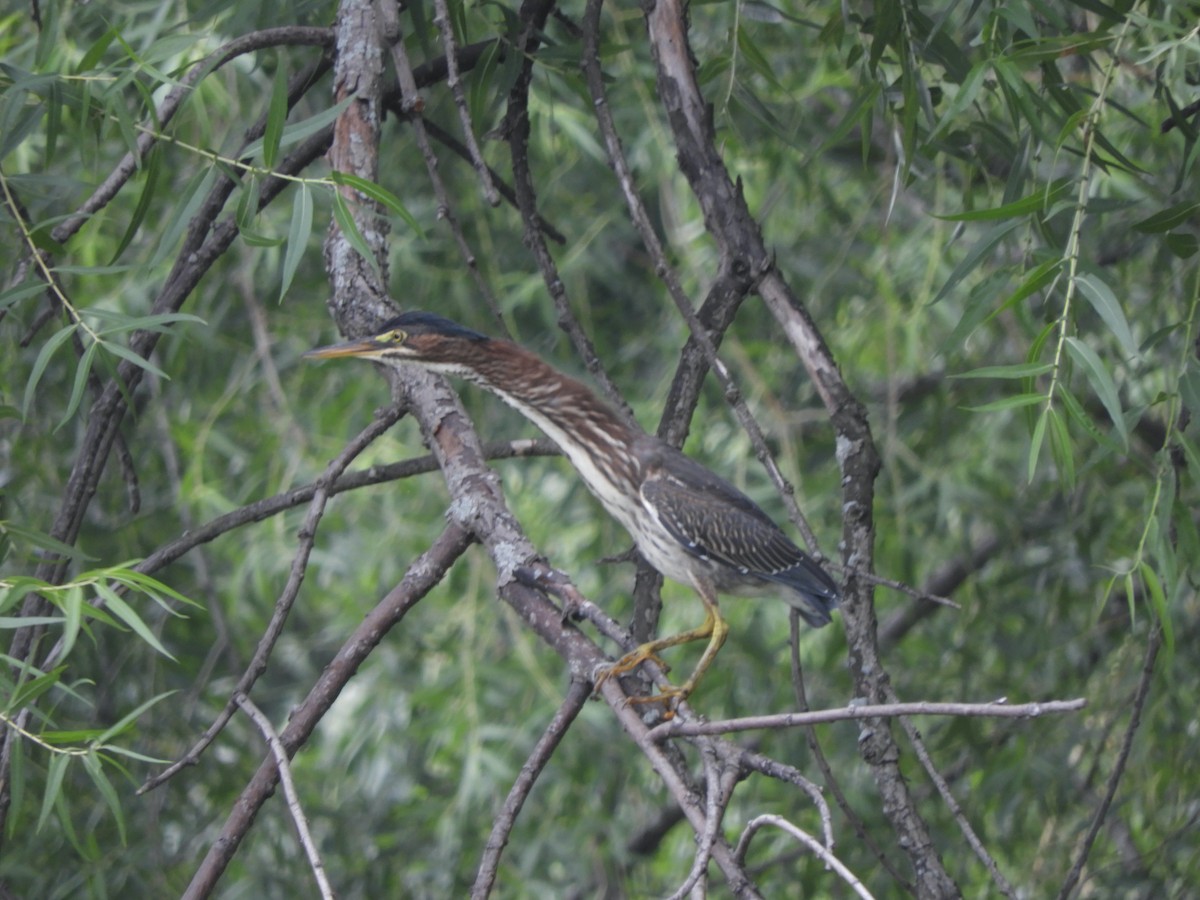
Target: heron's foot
{"type": "Point", "coordinates": [629, 662]}
{"type": "Point", "coordinates": [670, 697]}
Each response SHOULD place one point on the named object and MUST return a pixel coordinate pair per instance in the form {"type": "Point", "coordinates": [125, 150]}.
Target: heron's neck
{"type": "Point", "coordinates": [586, 429]}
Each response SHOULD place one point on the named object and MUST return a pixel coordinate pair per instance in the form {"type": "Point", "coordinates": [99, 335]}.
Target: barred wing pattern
{"type": "Point", "coordinates": [713, 520]}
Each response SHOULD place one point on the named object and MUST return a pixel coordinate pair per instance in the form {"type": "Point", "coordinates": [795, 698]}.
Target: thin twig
{"type": "Point", "coordinates": [1153, 644]}
{"type": "Point", "coordinates": [996, 709]}
{"type": "Point", "coordinates": [502, 825]}
{"type": "Point", "coordinates": [411, 107]}
{"type": "Point", "coordinates": [516, 126]}
{"type": "Point", "coordinates": [348, 481]}
{"type": "Point", "coordinates": [421, 576]}
{"type": "Point", "coordinates": [808, 841]}
{"type": "Point", "coordinates": [943, 789]}
{"type": "Point", "coordinates": [283, 764]}
{"type": "Point", "coordinates": [283, 605]}
{"type": "Point", "coordinates": [441, 18]}
{"type": "Point", "coordinates": [814, 746]}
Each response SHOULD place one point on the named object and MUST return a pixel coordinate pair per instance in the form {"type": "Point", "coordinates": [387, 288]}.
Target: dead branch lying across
{"type": "Point", "coordinates": [995, 709]}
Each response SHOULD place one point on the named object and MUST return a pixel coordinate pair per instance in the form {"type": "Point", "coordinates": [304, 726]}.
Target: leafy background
{"type": "Point", "coordinates": [983, 216]}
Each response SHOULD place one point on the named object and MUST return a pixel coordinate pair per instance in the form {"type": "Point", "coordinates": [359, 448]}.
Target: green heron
{"type": "Point", "coordinates": [688, 523]}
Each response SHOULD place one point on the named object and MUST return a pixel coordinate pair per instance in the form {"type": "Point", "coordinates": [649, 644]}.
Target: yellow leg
{"type": "Point", "coordinates": [714, 628]}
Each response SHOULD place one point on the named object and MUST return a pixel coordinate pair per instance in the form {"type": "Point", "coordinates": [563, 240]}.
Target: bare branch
{"type": "Point", "coordinates": [998, 709]}
{"type": "Point", "coordinates": [441, 19]}
{"type": "Point", "coordinates": [282, 764]}
{"type": "Point", "coordinates": [424, 572]}
{"type": "Point", "coordinates": [283, 605]}
{"type": "Point", "coordinates": [1153, 644]}
{"type": "Point", "coordinates": [502, 825]}
{"type": "Point", "coordinates": [808, 841]}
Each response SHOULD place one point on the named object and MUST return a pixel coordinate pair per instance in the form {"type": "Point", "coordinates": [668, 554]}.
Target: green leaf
{"type": "Point", "coordinates": [379, 194]}
{"type": "Point", "coordinates": [1035, 444]}
{"type": "Point", "coordinates": [276, 118]}
{"type": "Point", "coordinates": [126, 614]}
{"type": "Point", "coordinates": [1060, 447]}
{"type": "Point", "coordinates": [300, 130]}
{"type": "Point", "coordinates": [1102, 383]}
{"type": "Point", "coordinates": [56, 769]}
{"type": "Point", "coordinates": [190, 199]}
{"type": "Point", "coordinates": [1040, 200]}
{"type": "Point", "coordinates": [1158, 602]}
{"type": "Point", "coordinates": [298, 234]}
{"type": "Point", "coordinates": [48, 350]}
{"type": "Point", "coordinates": [157, 323]}
{"type": "Point", "coordinates": [1016, 370]}
{"type": "Point", "coordinates": [1183, 245]}
{"type": "Point", "coordinates": [92, 765]}
{"type": "Point", "coordinates": [1166, 219]}
{"type": "Point", "coordinates": [29, 691]}
{"type": "Point", "coordinates": [1014, 402]}
{"type": "Point", "coordinates": [963, 97]}
{"type": "Point", "coordinates": [345, 221]}
{"type": "Point", "coordinates": [152, 169]}
{"type": "Point", "coordinates": [118, 349]}
{"type": "Point", "coordinates": [976, 255]}
{"type": "Point", "coordinates": [81, 376]}
{"type": "Point", "coordinates": [71, 603]}
{"type": "Point", "coordinates": [130, 718]}
{"type": "Point", "coordinates": [43, 541]}
{"type": "Point", "coordinates": [1109, 309]}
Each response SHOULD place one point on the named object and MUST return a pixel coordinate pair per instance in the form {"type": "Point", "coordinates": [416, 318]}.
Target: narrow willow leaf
{"type": "Point", "coordinates": [95, 52]}
{"type": "Point", "coordinates": [48, 350]}
{"type": "Point", "coordinates": [71, 603]}
{"type": "Point", "coordinates": [118, 349]}
{"type": "Point", "coordinates": [1081, 418]}
{"type": "Point", "coordinates": [1014, 402]}
{"type": "Point", "coordinates": [976, 255]}
{"type": "Point", "coordinates": [276, 118]}
{"type": "Point", "coordinates": [247, 206]}
{"type": "Point", "coordinates": [1035, 280]}
{"type": "Point", "coordinates": [963, 97]}
{"type": "Point", "coordinates": [1105, 302]}
{"type": "Point", "coordinates": [157, 323]}
{"type": "Point", "coordinates": [298, 234]}
{"type": "Point", "coordinates": [131, 717]}
{"type": "Point", "coordinates": [1016, 370]}
{"type": "Point", "coordinates": [126, 614]}
{"type": "Point", "coordinates": [95, 770]}
{"type": "Point", "coordinates": [13, 622]}
{"type": "Point", "coordinates": [1183, 245]}
{"type": "Point", "coordinates": [345, 221]}
{"type": "Point", "coordinates": [42, 540]}
{"type": "Point", "coordinates": [379, 194]}
{"type": "Point", "coordinates": [193, 195]}
{"type": "Point", "coordinates": [148, 585]}
{"type": "Point", "coordinates": [1158, 602]}
{"type": "Point", "coordinates": [16, 780]}
{"type": "Point", "coordinates": [1102, 383]}
{"type": "Point", "coordinates": [81, 376]}
{"type": "Point", "coordinates": [1061, 448]}
{"type": "Point", "coordinates": [300, 130]}
{"type": "Point", "coordinates": [29, 691]}
{"type": "Point", "coordinates": [1035, 444]}
{"type": "Point", "coordinates": [1166, 219]}
{"type": "Point", "coordinates": [56, 769]}
{"type": "Point", "coordinates": [19, 292]}
{"type": "Point", "coordinates": [152, 171]}
{"type": "Point", "coordinates": [1039, 200]}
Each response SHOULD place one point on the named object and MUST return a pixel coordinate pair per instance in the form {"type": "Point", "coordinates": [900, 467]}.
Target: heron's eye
{"type": "Point", "coordinates": [395, 336]}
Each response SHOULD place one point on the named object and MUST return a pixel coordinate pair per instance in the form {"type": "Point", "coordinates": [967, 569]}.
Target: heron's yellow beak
{"type": "Point", "coordinates": [367, 347]}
